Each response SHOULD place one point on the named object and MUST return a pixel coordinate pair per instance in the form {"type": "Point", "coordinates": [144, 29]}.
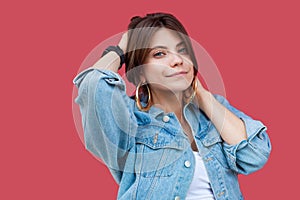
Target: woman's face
{"type": "Point", "coordinates": [168, 65]}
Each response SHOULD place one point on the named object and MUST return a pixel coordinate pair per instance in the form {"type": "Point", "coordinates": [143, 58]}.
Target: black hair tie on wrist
{"type": "Point", "coordinates": [119, 51]}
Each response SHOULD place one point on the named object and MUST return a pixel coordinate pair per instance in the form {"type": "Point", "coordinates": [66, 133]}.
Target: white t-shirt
{"type": "Point", "coordinates": [200, 188]}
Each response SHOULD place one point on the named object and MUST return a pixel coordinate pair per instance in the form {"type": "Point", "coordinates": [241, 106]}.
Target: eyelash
{"type": "Point", "coordinates": [156, 54]}
{"type": "Point", "coordinates": [181, 50]}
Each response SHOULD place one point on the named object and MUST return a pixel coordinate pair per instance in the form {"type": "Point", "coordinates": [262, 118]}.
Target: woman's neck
{"type": "Point", "coordinates": [173, 102]}
{"type": "Point", "coordinates": [169, 102]}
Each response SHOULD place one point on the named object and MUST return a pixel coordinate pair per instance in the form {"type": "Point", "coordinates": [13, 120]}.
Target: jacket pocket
{"type": "Point", "coordinates": [158, 152]}
{"type": "Point", "coordinates": [157, 165]}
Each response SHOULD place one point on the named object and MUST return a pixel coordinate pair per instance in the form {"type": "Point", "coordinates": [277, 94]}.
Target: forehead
{"type": "Point", "coordinates": [165, 37]}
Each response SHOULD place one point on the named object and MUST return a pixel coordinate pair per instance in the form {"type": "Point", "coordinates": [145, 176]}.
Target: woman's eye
{"type": "Point", "coordinates": [182, 50]}
{"type": "Point", "coordinates": [158, 54]}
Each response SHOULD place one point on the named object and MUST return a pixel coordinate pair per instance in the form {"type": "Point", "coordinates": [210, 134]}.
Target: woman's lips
{"type": "Point", "coordinates": [177, 74]}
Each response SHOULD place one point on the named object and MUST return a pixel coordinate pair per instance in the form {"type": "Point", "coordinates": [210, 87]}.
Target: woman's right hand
{"type": "Point", "coordinates": [111, 60]}
{"type": "Point", "coordinates": [123, 42]}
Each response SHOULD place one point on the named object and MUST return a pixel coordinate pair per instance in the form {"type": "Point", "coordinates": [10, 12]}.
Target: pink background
{"type": "Point", "coordinates": [255, 45]}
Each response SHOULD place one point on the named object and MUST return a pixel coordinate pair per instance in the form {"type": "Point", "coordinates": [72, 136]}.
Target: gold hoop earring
{"type": "Point", "coordinates": [194, 86]}
{"type": "Point", "coordinates": [137, 98]}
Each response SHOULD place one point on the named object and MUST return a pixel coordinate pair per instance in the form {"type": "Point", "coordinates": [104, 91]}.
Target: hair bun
{"type": "Point", "coordinates": [135, 18]}
{"type": "Point", "coordinates": [134, 21]}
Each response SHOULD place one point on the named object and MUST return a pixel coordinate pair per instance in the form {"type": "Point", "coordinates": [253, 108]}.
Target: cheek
{"type": "Point", "coordinates": [190, 76]}
{"type": "Point", "coordinates": [154, 67]}
{"type": "Point", "coordinates": [187, 59]}
{"type": "Point", "coordinates": [191, 69]}
{"type": "Point", "coordinates": [152, 72]}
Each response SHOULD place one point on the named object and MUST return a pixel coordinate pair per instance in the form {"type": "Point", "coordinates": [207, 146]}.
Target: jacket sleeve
{"type": "Point", "coordinates": [108, 121]}
{"type": "Point", "coordinates": [251, 154]}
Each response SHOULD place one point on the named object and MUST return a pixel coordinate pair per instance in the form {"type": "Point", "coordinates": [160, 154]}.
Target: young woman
{"type": "Point", "coordinates": [174, 139]}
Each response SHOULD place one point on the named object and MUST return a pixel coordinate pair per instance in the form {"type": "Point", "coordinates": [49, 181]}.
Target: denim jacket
{"type": "Point", "coordinates": [148, 153]}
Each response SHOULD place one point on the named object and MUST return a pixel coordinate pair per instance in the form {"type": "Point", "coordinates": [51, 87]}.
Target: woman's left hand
{"type": "Point", "coordinates": [202, 94]}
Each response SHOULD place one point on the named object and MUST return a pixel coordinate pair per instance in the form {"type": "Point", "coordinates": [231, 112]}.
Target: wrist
{"type": "Point", "coordinates": [122, 47]}
{"type": "Point", "coordinates": [117, 50]}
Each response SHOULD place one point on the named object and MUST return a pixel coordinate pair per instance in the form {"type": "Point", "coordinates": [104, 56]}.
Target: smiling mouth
{"type": "Point", "coordinates": [177, 74]}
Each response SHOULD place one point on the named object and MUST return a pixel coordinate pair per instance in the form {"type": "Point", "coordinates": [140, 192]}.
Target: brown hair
{"type": "Point", "coordinates": [140, 32]}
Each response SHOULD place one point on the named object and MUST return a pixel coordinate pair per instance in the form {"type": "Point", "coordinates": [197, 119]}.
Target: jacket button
{"type": "Point", "coordinates": [221, 193]}
{"type": "Point", "coordinates": [187, 164]}
{"type": "Point", "coordinates": [177, 198]}
{"type": "Point", "coordinates": [208, 159]}
{"type": "Point", "coordinates": [166, 118]}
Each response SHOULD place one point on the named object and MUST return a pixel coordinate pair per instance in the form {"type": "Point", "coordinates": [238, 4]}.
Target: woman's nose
{"type": "Point", "coordinates": [176, 59]}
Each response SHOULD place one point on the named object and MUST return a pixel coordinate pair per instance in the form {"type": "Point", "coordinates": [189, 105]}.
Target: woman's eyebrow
{"type": "Point", "coordinates": [180, 44]}
{"type": "Point", "coordinates": [159, 47]}
{"type": "Point", "coordinates": [164, 47]}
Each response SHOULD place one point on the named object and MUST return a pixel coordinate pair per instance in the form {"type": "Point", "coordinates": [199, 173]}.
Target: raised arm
{"type": "Point", "coordinates": [107, 112]}
{"type": "Point", "coordinates": [231, 128]}
{"type": "Point", "coordinates": [246, 144]}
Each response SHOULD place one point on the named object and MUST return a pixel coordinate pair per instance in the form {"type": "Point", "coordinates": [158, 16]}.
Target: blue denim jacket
{"type": "Point", "coordinates": [148, 153]}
